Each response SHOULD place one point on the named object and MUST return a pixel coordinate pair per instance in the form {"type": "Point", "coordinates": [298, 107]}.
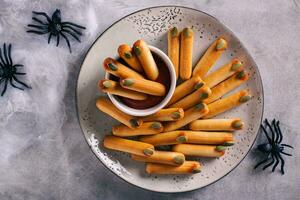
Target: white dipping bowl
{"type": "Point", "coordinates": [144, 112]}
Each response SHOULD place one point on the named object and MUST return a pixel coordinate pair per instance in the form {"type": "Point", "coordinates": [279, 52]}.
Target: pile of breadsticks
{"type": "Point", "coordinates": [185, 125]}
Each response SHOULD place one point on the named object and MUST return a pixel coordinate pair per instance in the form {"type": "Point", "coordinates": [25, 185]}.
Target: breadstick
{"type": "Point", "coordinates": [188, 167]}
{"type": "Point", "coordinates": [167, 138]}
{"type": "Point", "coordinates": [114, 88]}
{"type": "Point", "coordinates": [193, 98]}
{"type": "Point", "coordinates": [106, 106]}
{"type": "Point", "coordinates": [216, 124]}
{"type": "Point", "coordinates": [190, 115]}
{"type": "Point", "coordinates": [186, 88]}
{"type": "Point", "coordinates": [186, 53]}
{"type": "Point", "coordinates": [173, 48]}
{"type": "Point", "coordinates": [211, 55]}
{"type": "Point", "coordinates": [146, 59]}
{"type": "Point", "coordinates": [144, 86]}
{"type": "Point", "coordinates": [223, 73]}
{"type": "Point", "coordinates": [129, 146]}
{"type": "Point", "coordinates": [147, 128]}
{"type": "Point", "coordinates": [198, 150]}
{"type": "Point", "coordinates": [185, 136]}
{"type": "Point", "coordinates": [126, 53]}
{"type": "Point", "coordinates": [118, 69]}
{"type": "Point", "coordinates": [168, 114]}
{"type": "Point", "coordinates": [226, 86]}
{"type": "Point", "coordinates": [227, 103]}
{"type": "Point", "coordinates": [163, 157]}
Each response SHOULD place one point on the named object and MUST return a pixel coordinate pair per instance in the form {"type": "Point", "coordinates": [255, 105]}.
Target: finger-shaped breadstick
{"type": "Point", "coordinates": [188, 167]}
{"type": "Point", "coordinates": [129, 146]}
{"type": "Point", "coordinates": [126, 53]}
{"type": "Point", "coordinates": [192, 99]}
{"type": "Point", "coordinates": [168, 114]}
{"type": "Point", "coordinates": [211, 55]}
{"type": "Point", "coordinates": [190, 115]}
{"type": "Point", "coordinates": [198, 150]}
{"type": "Point", "coordinates": [146, 59]}
{"type": "Point", "coordinates": [113, 87]}
{"type": "Point", "coordinates": [216, 124]}
{"type": "Point", "coordinates": [226, 86]}
{"type": "Point", "coordinates": [144, 86]}
{"type": "Point", "coordinates": [223, 73]}
{"type": "Point", "coordinates": [185, 136]}
{"type": "Point", "coordinates": [147, 128]}
{"type": "Point", "coordinates": [167, 138]}
{"type": "Point", "coordinates": [106, 106]}
{"type": "Point", "coordinates": [186, 53]}
{"type": "Point", "coordinates": [173, 47]}
{"type": "Point", "coordinates": [163, 157]}
{"type": "Point", "coordinates": [186, 88]}
{"type": "Point", "coordinates": [227, 103]}
{"type": "Point", "coordinates": [118, 69]}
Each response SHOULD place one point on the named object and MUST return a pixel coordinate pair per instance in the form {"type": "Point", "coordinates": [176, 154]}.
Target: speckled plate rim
{"type": "Point", "coordinates": [164, 6]}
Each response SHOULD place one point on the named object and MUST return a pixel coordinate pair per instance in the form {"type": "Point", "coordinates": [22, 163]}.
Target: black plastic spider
{"type": "Point", "coordinates": [273, 148]}
{"type": "Point", "coordinates": [55, 27]}
{"type": "Point", "coordinates": [8, 70]}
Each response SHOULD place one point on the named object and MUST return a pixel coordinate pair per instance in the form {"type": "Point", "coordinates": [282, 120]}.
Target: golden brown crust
{"type": "Point", "coordinates": [127, 54]}
{"type": "Point", "coordinates": [112, 87]}
{"type": "Point", "coordinates": [142, 85]}
{"type": "Point", "coordinates": [146, 59]}
{"type": "Point", "coordinates": [116, 68]}
{"type": "Point", "coordinates": [128, 146]}
{"type": "Point", "coordinates": [198, 150]}
{"type": "Point", "coordinates": [173, 48]}
{"type": "Point", "coordinates": [147, 128]}
{"type": "Point", "coordinates": [106, 106]}
{"type": "Point", "coordinates": [186, 53]}
{"type": "Point", "coordinates": [227, 103]}
{"type": "Point", "coordinates": [188, 167]}
{"type": "Point", "coordinates": [216, 124]}
{"type": "Point", "coordinates": [167, 114]}
{"type": "Point", "coordinates": [211, 55]}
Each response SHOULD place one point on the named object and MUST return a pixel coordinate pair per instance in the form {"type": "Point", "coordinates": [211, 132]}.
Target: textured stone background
{"type": "Point", "coordinates": [43, 154]}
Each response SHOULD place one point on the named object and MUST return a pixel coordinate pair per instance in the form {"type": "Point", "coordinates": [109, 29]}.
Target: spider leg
{"type": "Point", "coordinates": [72, 34]}
{"type": "Point", "coordinates": [279, 131]}
{"type": "Point", "coordinates": [73, 29]}
{"type": "Point", "coordinates": [20, 73]}
{"type": "Point", "coordinates": [5, 87]}
{"type": "Point", "coordinates": [1, 58]}
{"type": "Point", "coordinates": [286, 145]}
{"type": "Point", "coordinates": [72, 24]}
{"type": "Point", "coordinates": [12, 84]}
{"type": "Point", "coordinates": [67, 40]}
{"type": "Point", "coordinates": [262, 162]}
{"type": "Point", "coordinates": [24, 84]}
{"type": "Point", "coordinates": [57, 40]}
{"type": "Point", "coordinates": [266, 133]}
{"type": "Point", "coordinates": [37, 26]}
{"type": "Point", "coordinates": [276, 163]}
{"type": "Point", "coordinates": [42, 14]}
{"type": "Point", "coordinates": [39, 21]}
{"type": "Point", "coordinates": [271, 163]}
{"type": "Point", "coordinates": [9, 55]}
{"type": "Point", "coordinates": [282, 163]}
{"type": "Point", "coordinates": [37, 32]}
{"type": "Point", "coordinates": [5, 54]}
{"type": "Point", "coordinates": [49, 38]}
{"type": "Point", "coordinates": [276, 131]}
{"type": "Point", "coordinates": [286, 153]}
{"type": "Point", "coordinates": [270, 127]}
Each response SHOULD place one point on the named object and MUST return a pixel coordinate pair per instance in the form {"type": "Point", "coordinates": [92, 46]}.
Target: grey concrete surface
{"type": "Point", "coordinates": [43, 154]}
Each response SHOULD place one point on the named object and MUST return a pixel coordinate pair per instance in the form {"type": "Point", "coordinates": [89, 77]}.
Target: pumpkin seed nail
{"type": "Point", "coordinates": [245, 98]}
{"type": "Point", "coordinates": [148, 152]}
{"type": "Point", "coordinates": [199, 106]}
{"type": "Point", "coordinates": [221, 44]}
{"type": "Point", "coordinates": [198, 85]}
{"type": "Point", "coordinates": [236, 65]}
{"type": "Point", "coordinates": [156, 125]}
{"type": "Point", "coordinates": [220, 148]}
{"type": "Point", "coordinates": [175, 115]}
{"type": "Point", "coordinates": [127, 55]}
{"type": "Point", "coordinates": [137, 51]}
{"type": "Point", "coordinates": [181, 139]}
{"type": "Point", "coordinates": [228, 143]}
{"type": "Point", "coordinates": [203, 95]}
{"type": "Point", "coordinates": [179, 160]}
{"type": "Point", "coordinates": [238, 124]}
{"type": "Point", "coordinates": [112, 66]}
{"type": "Point", "coordinates": [106, 84]}
{"type": "Point", "coordinates": [134, 122]}
{"type": "Point", "coordinates": [128, 82]}
{"type": "Point", "coordinates": [174, 32]}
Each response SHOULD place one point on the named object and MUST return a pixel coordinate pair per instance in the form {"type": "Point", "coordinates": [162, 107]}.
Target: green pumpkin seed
{"type": "Point", "coordinates": [148, 152]}
{"type": "Point", "coordinates": [179, 160]}
{"type": "Point", "coordinates": [195, 171]}
{"type": "Point", "coordinates": [106, 84]}
{"type": "Point", "coordinates": [237, 124]}
{"type": "Point", "coordinates": [134, 122]}
{"type": "Point", "coordinates": [156, 125]}
{"type": "Point", "coordinates": [174, 32]}
{"type": "Point", "coordinates": [245, 98]}
{"type": "Point", "coordinates": [221, 45]}
{"type": "Point", "coordinates": [203, 95]}
{"type": "Point", "coordinates": [199, 106]}
{"type": "Point", "coordinates": [175, 115]}
{"type": "Point", "coordinates": [112, 66]}
{"type": "Point", "coordinates": [128, 82]}
{"type": "Point", "coordinates": [220, 148]}
{"type": "Point", "coordinates": [127, 55]}
{"type": "Point", "coordinates": [228, 143]}
{"type": "Point", "coordinates": [235, 66]}
{"type": "Point", "coordinates": [240, 75]}
{"type": "Point", "coordinates": [187, 32]}
{"type": "Point", "coordinates": [198, 85]}
{"type": "Point", "coordinates": [181, 139]}
{"type": "Point", "coordinates": [137, 51]}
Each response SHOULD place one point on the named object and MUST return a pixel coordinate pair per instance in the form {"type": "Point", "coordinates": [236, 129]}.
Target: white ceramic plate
{"type": "Point", "coordinates": [151, 24]}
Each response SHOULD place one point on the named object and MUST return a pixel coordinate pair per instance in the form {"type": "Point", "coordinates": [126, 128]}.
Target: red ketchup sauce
{"type": "Point", "coordinates": [163, 78]}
